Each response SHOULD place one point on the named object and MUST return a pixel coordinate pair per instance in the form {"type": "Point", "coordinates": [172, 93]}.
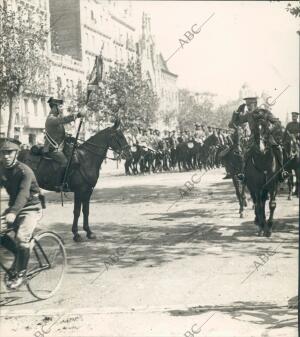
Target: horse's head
{"type": "Point", "coordinates": [261, 128]}
{"type": "Point", "coordinates": [117, 141]}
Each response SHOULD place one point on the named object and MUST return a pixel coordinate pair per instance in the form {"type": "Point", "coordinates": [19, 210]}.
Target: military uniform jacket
{"type": "Point", "coordinates": [293, 127]}
{"type": "Point", "coordinates": [21, 186]}
{"type": "Point", "coordinates": [55, 131]}
{"type": "Point", "coordinates": [199, 135]}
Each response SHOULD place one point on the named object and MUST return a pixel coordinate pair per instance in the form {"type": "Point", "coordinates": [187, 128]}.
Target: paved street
{"type": "Point", "coordinates": [185, 263]}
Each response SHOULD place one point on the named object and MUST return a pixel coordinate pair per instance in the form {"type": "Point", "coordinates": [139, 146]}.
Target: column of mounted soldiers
{"type": "Point", "coordinates": [156, 151]}
{"type": "Point", "coordinates": [205, 147]}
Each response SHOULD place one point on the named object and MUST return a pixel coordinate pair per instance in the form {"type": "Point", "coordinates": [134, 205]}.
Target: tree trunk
{"type": "Point", "coordinates": [11, 120]}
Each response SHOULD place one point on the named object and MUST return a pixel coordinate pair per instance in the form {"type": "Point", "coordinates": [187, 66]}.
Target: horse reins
{"type": "Point", "coordinates": [103, 148]}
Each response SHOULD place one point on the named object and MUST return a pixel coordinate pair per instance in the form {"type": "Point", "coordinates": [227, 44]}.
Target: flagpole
{"type": "Point", "coordinates": [78, 130]}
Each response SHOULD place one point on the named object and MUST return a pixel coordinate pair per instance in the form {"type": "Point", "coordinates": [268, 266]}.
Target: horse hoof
{"type": "Point", "coordinates": [267, 234]}
{"type": "Point", "coordinates": [241, 215]}
{"type": "Point", "coordinates": [289, 197]}
{"type": "Point", "coordinates": [91, 236]}
{"type": "Point", "coordinates": [77, 238]}
{"type": "Point", "coordinates": [260, 232]}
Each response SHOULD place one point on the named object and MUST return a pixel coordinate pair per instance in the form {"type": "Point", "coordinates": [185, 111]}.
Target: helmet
{"type": "Point", "coordinates": [10, 144]}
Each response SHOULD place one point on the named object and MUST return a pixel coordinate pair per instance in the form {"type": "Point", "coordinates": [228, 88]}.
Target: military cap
{"type": "Point", "coordinates": [294, 113]}
{"type": "Point", "coordinates": [54, 101]}
{"type": "Point", "coordinates": [250, 99]}
{"type": "Point", "coordinates": [10, 144]}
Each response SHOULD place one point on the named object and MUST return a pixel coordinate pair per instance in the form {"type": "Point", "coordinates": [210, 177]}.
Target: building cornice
{"type": "Point", "coordinates": [96, 31]}
{"type": "Point", "coordinates": [121, 22]}
{"type": "Point", "coordinates": [91, 53]}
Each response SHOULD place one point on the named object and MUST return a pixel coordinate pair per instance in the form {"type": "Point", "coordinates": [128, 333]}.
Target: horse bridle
{"type": "Point", "coordinates": [123, 148]}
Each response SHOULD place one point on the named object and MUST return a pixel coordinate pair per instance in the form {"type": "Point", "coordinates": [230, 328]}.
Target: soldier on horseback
{"type": "Point", "coordinates": [199, 133]}
{"type": "Point", "coordinates": [271, 131]}
{"type": "Point", "coordinates": [55, 133]}
{"type": "Point", "coordinates": [293, 127]}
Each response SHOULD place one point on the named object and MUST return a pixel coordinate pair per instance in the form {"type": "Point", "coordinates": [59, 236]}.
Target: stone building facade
{"type": "Point", "coordinates": [161, 79]}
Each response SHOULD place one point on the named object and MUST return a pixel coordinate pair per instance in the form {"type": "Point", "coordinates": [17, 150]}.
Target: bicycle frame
{"type": "Point", "coordinates": [42, 267]}
{"type": "Point", "coordinates": [33, 243]}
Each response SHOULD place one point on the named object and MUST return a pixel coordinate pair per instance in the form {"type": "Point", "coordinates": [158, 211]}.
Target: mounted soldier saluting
{"type": "Point", "coordinates": [272, 134]}
{"type": "Point", "coordinates": [55, 134]}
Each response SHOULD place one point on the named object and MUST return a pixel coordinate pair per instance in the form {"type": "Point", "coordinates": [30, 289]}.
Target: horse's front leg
{"type": "Point", "coordinates": [290, 185]}
{"type": "Point", "coordinates": [272, 207]}
{"type": "Point", "coordinates": [259, 219]}
{"type": "Point", "coordinates": [76, 212]}
{"type": "Point", "coordinates": [236, 184]}
{"type": "Point", "coordinates": [86, 211]}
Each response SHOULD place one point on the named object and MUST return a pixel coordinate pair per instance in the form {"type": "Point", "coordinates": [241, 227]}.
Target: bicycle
{"type": "Point", "coordinates": [46, 264]}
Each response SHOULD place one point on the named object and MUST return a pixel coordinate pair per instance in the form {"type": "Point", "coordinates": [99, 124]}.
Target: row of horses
{"type": "Point", "coordinates": [186, 155]}
{"type": "Point", "coordinates": [261, 171]}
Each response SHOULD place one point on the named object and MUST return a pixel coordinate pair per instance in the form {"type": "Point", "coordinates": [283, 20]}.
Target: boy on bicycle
{"type": "Point", "coordinates": [24, 207]}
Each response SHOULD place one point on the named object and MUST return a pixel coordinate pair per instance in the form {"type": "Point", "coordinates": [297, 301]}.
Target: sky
{"type": "Point", "coordinates": [253, 42]}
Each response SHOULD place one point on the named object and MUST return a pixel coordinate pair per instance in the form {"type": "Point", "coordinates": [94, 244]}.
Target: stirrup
{"type": "Point", "coordinates": [241, 176]}
{"type": "Point", "coordinates": [283, 175]}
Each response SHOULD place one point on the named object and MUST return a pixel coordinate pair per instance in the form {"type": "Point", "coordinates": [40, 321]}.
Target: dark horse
{"type": "Point", "coordinates": [82, 178]}
{"type": "Point", "coordinates": [292, 162]}
{"type": "Point", "coordinates": [261, 175]}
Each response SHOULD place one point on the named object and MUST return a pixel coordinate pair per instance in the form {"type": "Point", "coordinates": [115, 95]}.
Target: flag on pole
{"type": "Point", "coordinates": [96, 74]}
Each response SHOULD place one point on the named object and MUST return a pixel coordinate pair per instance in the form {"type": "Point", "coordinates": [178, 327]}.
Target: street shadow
{"type": "Point", "coordinates": [269, 315]}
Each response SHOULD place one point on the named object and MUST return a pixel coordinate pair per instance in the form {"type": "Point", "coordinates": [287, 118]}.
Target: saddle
{"type": "Point", "coordinates": [49, 171]}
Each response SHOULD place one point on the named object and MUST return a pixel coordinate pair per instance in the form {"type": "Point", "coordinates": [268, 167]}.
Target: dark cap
{"type": "Point", "coordinates": [294, 113]}
{"type": "Point", "coordinates": [10, 144]}
{"type": "Point", "coordinates": [54, 101]}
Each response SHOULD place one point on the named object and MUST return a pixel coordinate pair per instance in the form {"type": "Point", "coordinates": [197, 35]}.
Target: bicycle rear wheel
{"type": "Point", "coordinates": [46, 266]}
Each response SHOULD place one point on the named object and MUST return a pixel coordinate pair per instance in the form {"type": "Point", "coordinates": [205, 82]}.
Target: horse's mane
{"type": "Point", "coordinates": [96, 136]}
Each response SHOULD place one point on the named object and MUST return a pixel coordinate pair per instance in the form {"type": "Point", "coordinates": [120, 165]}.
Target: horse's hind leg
{"type": "Point", "coordinates": [76, 212]}
{"type": "Point", "coordinates": [86, 211]}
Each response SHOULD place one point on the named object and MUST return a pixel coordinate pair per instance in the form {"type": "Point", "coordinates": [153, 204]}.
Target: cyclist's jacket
{"type": "Point", "coordinates": [21, 186]}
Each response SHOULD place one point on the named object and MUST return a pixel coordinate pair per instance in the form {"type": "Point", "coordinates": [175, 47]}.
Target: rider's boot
{"type": "Point", "coordinates": [21, 265]}
{"type": "Point", "coordinates": [18, 280]}
{"type": "Point", "coordinates": [63, 185]}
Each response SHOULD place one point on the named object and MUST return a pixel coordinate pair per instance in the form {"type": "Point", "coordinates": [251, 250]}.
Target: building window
{"type": "Point", "coordinates": [72, 87]}
{"type": "Point", "coordinates": [44, 107]}
{"type": "Point", "coordinates": [92, 16]}
{"type": "Point", "coordinates": [59, 85]}
{"type": "Point", "coordinates": [35, 107]}
{"type": "Point", "coordinates": [26, 106]}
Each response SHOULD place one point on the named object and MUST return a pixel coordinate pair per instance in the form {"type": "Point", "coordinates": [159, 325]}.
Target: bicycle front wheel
{"type": "Point", "coordinates": [46, 266]}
